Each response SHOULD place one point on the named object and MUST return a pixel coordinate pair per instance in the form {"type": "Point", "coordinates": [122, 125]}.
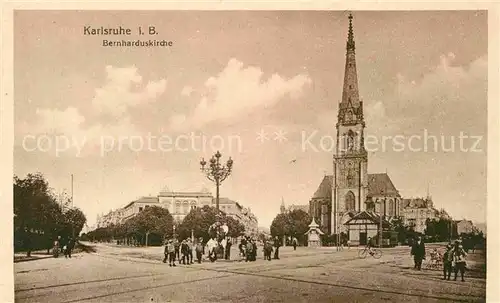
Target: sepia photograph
{"type": "Point", "coordinates": [250, 155]}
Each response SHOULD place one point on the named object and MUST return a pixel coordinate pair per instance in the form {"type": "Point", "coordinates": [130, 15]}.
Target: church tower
{"type": "Point", "coordinates": [282, 207]}
{"type": "Point", "coordinates": [350, 161]}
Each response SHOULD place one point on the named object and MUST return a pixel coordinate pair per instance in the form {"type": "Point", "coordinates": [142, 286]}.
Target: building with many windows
{"type": "Point", "coordinates": [465, 227]}
{"type": "Point", "coordinates": [179, 204]}
{"type": "Point", "coordinates": [239, 213]}
{"type": "Point", "coordinates": [417, 211]}
{"type": "Point", "coordinates": [134, 207]}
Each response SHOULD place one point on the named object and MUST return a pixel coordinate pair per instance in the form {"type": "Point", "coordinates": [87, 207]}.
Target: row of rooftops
{"type": "Point", "coordinates": [155, 199]}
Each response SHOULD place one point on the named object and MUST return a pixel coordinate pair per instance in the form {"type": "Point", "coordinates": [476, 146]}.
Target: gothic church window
{"type": "Point", "coordinates": [349, 201]}
{"type": "Point", "coordinates": [391, 208]}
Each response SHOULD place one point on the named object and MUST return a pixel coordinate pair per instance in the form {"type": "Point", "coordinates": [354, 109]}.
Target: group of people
{"type": "Point", "coordinates": [248, 249]}
{"type": "Point", "coordinates": [183, 251]}
{"type": "Point", "coordinates": [454, 258]}
{"type": "Point", "coordinates": [66, 247]}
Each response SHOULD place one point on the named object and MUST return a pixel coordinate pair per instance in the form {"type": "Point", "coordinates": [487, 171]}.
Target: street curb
{"type": "Point", "coordinates": [32, 259]}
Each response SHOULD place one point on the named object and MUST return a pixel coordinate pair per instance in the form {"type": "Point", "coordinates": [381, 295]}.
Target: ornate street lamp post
{"type": "Point", "coordinates": [217, 172]}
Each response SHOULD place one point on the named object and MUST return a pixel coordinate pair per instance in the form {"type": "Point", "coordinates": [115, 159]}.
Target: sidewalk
{"type": "Point", "coordinates": [22, 257]}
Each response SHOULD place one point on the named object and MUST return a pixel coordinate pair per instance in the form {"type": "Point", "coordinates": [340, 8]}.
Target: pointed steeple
{"type": "Point", "coordinates": [350, 109]}
{"type": "Point", "coordinates": [351, 45]}
{"type": "Point", "coordinates": [282, 207]}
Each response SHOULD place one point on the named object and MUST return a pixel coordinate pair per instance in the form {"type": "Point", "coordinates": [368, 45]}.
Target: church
{"type": "Point", "coordinates": [351, 201]}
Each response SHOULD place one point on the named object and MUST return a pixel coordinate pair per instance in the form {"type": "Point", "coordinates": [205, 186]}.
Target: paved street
{"type": "Point", "coordinates": [116, 274]}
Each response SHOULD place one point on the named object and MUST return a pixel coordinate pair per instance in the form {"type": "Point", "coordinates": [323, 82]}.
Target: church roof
{"type": "Point", "coordinates": [378, 185]}
{"type": "Point", "coordinates": [416, 203]}
{"type": "Point", "coordinates": [324, 190]}
{"type": "Point", "coordinates": [367, 216]}
{"type": "Point", "coordinates": [381, 185]}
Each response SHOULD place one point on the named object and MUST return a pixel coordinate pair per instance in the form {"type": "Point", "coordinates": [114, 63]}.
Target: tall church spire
{"type": "Point", "coordinates": [351, 45]}
{"type": "Point", "coordinates": [350, 93]}
{"type": "Point", "coordinates": [282, 207]}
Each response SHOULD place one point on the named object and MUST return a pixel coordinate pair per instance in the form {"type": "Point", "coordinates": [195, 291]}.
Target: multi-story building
{"type": "Point", "coordinates": [239, 213]}
{"type": "Point", "coordinates": [465, 227]}
{"type": "Point", "coordinates": [416, 211]}
{"type": "Point", "coordinates": [134, 207]}
{"type": "Point", "coordinates": [113, 217]}
{"type": "Point", "coordinates": [179, 204]}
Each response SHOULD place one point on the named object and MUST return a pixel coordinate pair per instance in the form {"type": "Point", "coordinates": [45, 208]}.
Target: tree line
{"type": "Point", "coordinates": [41, 215]}
{"type": "Point", "coordinates": [296, 223]}
{"type": "Point", "coordinates": [292, 224]}
{"type": "Point", "coordinates": [154, 224]}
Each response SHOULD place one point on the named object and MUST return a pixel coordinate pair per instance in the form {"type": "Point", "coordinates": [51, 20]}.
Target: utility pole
{"type": "Point", "coordinates": [72, 206]}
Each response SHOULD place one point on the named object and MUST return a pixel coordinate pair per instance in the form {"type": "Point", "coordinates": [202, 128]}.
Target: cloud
{"type": "Point", "coordinates": [118, 94]}
{"type": "Point", "coordinates": [58, 121]}
{"type": "Point", "coordinates": [115, 98]}
{"type": "Point", "coordinates": [187, 91]}
{"type": "Point", "coordinates": [448, 99]}
{"type": "Point", "coordinates": [238, 90]}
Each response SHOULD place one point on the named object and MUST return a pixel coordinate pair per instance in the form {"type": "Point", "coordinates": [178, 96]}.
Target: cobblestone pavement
{"type": "Point", "coordinates": [117, 274]}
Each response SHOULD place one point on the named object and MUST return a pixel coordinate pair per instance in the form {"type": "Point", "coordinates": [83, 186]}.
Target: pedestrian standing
{"type": "Point", "coordinates": [69, 247]}
{"type": "Point", "coordinates": [242, 247]}
{"type": "Point", "coordinates": [268, 250]}
{"type": "Point", "coordinates": [184, 252]}
{"type": "Point", "coordinates": [254, 250]}
{"type": "Point", "coordinates": [249, 251]}
{"type": "Point", "coordinates": [171, 253]}
{"type": "Point", "coordinates": [177, 247]}
{"type": "Point", "coordinates": [199, 250]}
{"type": "Point", "coordinates": [56, 247]}
{"type": "Point", "coordinates": [277, 245]}
{"type": "Point", "coordinates": [227, 254]}
{"type": "Point", "coordinates": [418, 253]}
{"type": "Point", "coordinates": [165, 252]}
{"type": "Point", "coordinates": [447, 261]}
{"type": "Point", "coordinates": [190, 251]}
{"type": "Point", "coordinates": [294, 242]}
{"type": "Point", "coordinates": [459, 256]}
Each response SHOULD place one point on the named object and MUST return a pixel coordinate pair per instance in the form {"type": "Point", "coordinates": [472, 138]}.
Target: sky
{"type": "Point", "coordinates": [260, 86]}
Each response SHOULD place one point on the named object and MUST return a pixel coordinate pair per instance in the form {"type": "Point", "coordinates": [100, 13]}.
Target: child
{"type": "Point", "coordinates": [171, 253]}
{"type": "Point", "coordinates": [447, 261]}
{"type": "Point", "coordinates": [199, 250]}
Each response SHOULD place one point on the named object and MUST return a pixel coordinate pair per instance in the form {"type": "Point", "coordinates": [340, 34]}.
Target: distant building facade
{"type": "Point", "coordinates": [465, 227]}
{"type": "Point", "coordinates": [417, 211]}
{"type": "Point", "coordinates": [241, 214]}
{"type": "Point", "coordinates": [179, 204]}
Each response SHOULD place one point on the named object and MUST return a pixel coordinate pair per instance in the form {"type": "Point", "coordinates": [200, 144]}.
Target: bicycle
{"type": "Point", "coordinates": [375, 253]}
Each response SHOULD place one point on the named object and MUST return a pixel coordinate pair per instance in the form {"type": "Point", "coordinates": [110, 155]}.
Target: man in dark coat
{"type": "Point", "coordinates": [418, 253]}
{"type": "Point", "coordinates": [177, 248]}
{"type": "Point", "coordinates": [227, 253]}
{"type": "Point", "coordinates": [277, 245]}
{"type": "Point", "coordinates": [70, 245]}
